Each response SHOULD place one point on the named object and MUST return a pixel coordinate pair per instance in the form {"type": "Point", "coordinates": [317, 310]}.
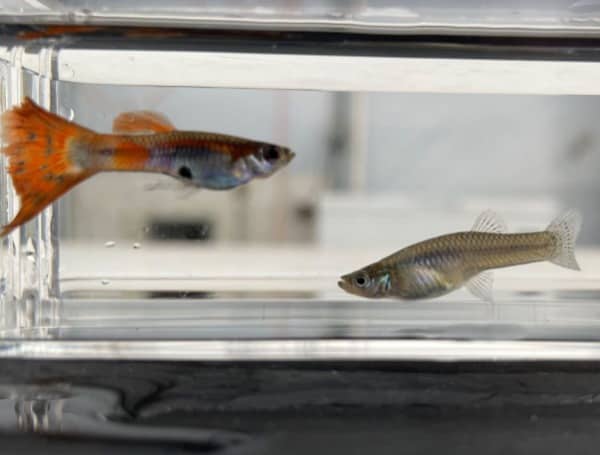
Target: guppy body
{"type": "Point", "coordinates": [49, 155]}
{"type": "Point", "coordinates": [205, 160]}
{"type": "Point", "coordinates": [443, 264]}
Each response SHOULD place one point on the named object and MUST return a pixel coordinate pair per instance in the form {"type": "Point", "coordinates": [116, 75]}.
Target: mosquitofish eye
{"type": "Point", "coordinates": [185, 172]}
{"type": "Point", "coordinates": [361, 280]}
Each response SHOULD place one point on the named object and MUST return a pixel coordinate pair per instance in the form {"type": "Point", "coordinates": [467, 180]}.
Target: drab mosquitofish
{"type": "Point", "coordinates": [443, 264]}
{"type": "Point", "coordinates": [49, 155]}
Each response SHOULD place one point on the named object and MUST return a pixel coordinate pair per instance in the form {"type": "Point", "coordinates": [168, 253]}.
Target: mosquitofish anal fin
{"type": "Point", "coordinates": [481, 286]}
{"type": "Point", "coordinates": [490, 221]}
{"type": "Point", "coordinates": [141, 122]}
{"type": "Point", "coordinates": [566, 227]}
{"type": "Point", "coordinates": [36, 143]}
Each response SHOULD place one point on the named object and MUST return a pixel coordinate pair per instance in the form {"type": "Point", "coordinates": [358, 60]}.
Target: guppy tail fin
{"type": "Point", "coordinates": [566, 227]}
{"type": "Point", "coordinates": [36, 143]}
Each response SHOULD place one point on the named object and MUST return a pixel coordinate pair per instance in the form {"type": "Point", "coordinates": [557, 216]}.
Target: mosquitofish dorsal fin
{"type": "Point", "coordinates": [141, 122]}
{"type": "Point", "coordinates": [490, 221]}
{"type": "Point", "coordinates": [481, 286]}
{"type": "Point", "coordinates": [566, 228]}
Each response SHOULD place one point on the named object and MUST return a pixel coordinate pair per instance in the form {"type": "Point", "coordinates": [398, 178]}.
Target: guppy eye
{"type": "Point", "coordinates": [361, 280]}
{"type": "Point", "coordinates": [185, 172]}
{"type": "Point", "coordinates": [271, 153]}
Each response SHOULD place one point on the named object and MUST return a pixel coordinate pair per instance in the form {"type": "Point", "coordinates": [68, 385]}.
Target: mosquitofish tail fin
{"type": "Point", "coordinates": [566, 227]}
{"type": "Point", "coordinates": [37, 144]}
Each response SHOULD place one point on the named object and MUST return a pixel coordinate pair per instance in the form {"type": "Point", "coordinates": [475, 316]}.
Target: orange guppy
{"type": "Point", "coordinates": [49, 155]}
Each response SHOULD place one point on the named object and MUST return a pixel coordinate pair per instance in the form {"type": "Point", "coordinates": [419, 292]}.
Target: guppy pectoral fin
{"type": "Point", "coordinates": [481, 286]}
{"type": "Point", "coordinates": [489, 221]}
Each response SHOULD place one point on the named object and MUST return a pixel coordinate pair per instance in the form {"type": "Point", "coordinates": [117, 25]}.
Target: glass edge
{"type": "Point", "coordinates": [582, 29]}
{"type": "Point", "coordinates": [305, 350]}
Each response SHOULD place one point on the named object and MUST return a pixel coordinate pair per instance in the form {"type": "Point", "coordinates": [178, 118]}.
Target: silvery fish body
{"type": "Point", "coordinates": [443, 264]}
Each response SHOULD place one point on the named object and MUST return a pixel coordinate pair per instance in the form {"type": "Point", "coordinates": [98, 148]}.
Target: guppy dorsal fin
{"type": "Point", "coordinates": [481, 286]}
{"type": "Point", "coordinates": [490, 221]}
{"type": "Point", "coordinates": [141, 122]}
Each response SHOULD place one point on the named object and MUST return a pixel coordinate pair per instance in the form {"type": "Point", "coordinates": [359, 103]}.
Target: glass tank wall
{"type": "Point", "coordinates": [390, 150]}
{"type": "Point", "coordinates": [481, 17]}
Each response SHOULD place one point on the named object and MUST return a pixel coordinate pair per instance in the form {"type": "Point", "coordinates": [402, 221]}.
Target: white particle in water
{"type": "Point", "coordinates": [109, 244]}
{"type": "Point", "coordinates": [137, 246]}
{"type": "Point", "coordinates": [29, 249]}
{"type": "Point", "coordinates": [105, 282]}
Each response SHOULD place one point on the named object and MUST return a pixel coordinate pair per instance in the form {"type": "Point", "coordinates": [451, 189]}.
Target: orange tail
{"type": "Point", "coordinates": [36, 143]}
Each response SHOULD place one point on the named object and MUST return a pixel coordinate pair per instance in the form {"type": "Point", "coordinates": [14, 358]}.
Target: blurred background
{"type": "Point", "coordinates": [372, 169]}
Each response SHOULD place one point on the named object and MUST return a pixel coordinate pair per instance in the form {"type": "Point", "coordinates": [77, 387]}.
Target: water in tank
{"type": "Point", "coordinates": [403, 125]}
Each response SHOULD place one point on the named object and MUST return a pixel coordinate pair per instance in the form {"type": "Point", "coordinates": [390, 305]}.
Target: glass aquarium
{"type": "Point", "coordinates": [406, 123]}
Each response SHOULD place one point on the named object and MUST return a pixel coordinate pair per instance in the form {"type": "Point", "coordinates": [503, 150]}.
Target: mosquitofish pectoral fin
{"type": "Point", "coordinates": [490, 221]}
{"type": "Point", "coordinates": [426, 282]}
{"type": "Point", "coordinates": [566, 228]}
{"type": "Point", "coordinates": [481, 286]}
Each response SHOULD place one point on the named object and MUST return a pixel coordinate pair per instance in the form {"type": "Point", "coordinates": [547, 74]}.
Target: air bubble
{"type": "Point", "coordinates": [137, 246]}
{"type": "Point", "coordinates": [105, 282]}
{"type": "Point", "coordinates": [71, 114]}
{"type": "Point", "coordinates": [110, 244]}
